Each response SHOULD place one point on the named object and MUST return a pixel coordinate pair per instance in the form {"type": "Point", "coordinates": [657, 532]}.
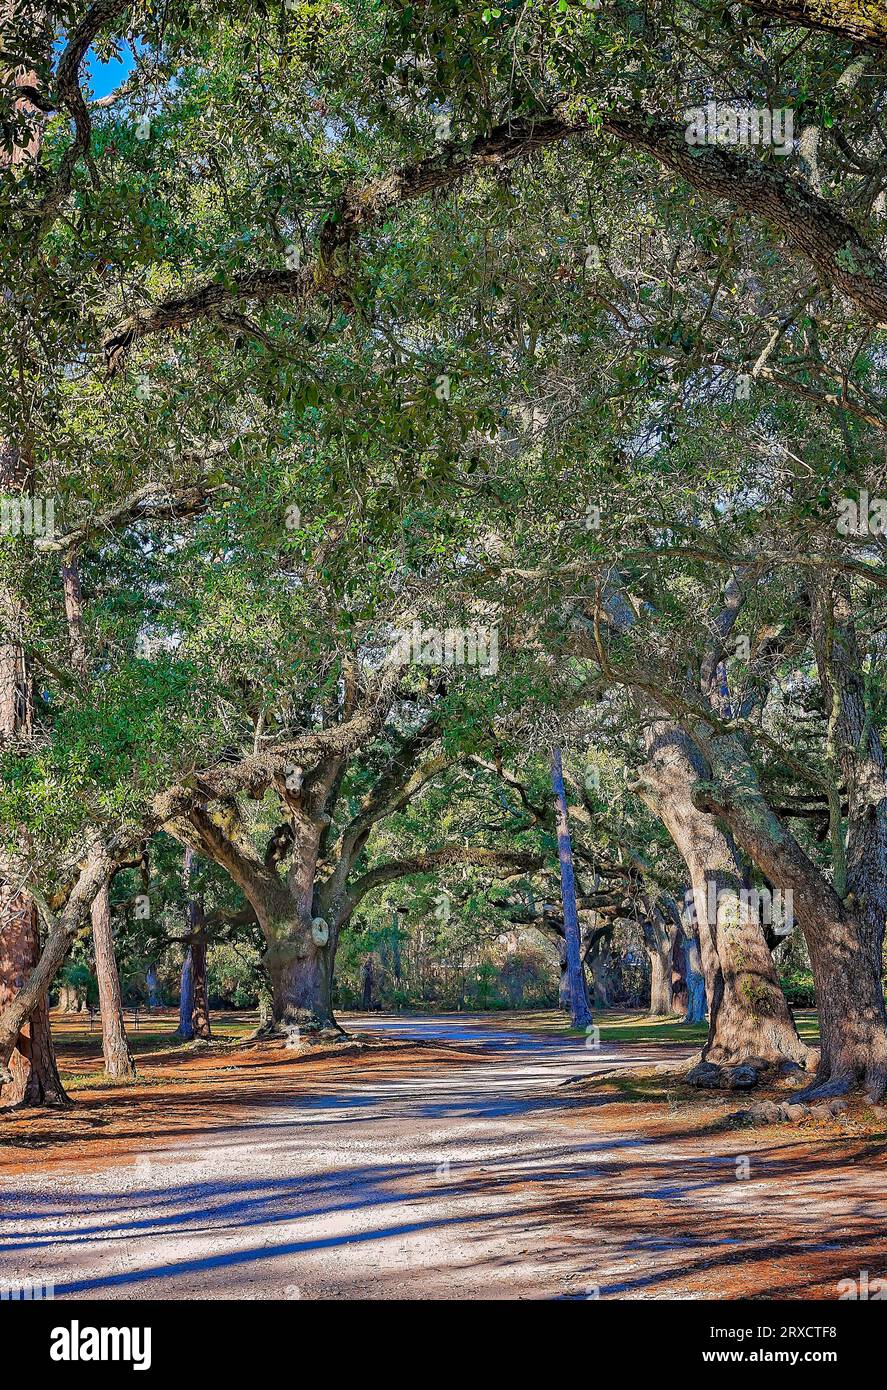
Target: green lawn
{"type": "Point", "coordinates": [636, 1028]}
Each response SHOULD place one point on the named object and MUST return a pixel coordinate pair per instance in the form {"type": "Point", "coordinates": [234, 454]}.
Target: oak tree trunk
{"type": "Point", "coordinates": [599, 959]}
{"type": "Point", "coordinates": [845, 952]}
{"type": "Point", "coordinates": [658, 947]}
{"type": "Point", "coordinates": [186, 999]}
{"type": "Point", "coordinates": [115, 1048]}
{"type": "Point", "coordinates": [691, 966]}
{"type": "Point", "coordinates": [301, 984]}
{"type": "Point", "coordinates": [200, 984]}
{"type": "Point", "coordinates": [750, 1023]}
{"type": "Point", "coordinates": [35, 1078]}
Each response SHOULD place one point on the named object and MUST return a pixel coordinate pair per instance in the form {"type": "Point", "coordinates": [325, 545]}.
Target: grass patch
{"type": "Point", "coordinates": [640, 1028]}
{"type": "Point", "coordinates": [646, 1087]}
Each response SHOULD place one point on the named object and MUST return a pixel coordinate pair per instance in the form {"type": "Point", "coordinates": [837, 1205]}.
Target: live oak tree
{"type": "Point", "coordinates": [297, 281]}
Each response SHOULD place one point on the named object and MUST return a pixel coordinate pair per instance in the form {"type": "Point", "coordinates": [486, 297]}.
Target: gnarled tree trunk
{"type": "Point", "coordinates": [750, 1023]}
{"type": "Point", "coordinates": [301, 985]}
{"type": "Point", "coordinates": [845, 954]}
{"type": "Point", "coordinates": [35, 1078]}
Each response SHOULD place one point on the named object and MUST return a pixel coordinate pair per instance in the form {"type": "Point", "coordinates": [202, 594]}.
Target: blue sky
{"type": "Point", "coordinates": [105, 77]}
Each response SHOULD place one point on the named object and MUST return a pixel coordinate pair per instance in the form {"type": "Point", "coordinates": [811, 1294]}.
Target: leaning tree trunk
{"type": "Point", "coordinates": [35, 1078]}
{"type": "Point", "coordinates": [750, 1024]}
{"type": "Point", "coordinates": [33, 1065]}
{"type": "Point", "coordinates": [845, 955]}
{"type": "Point", "coordinates": [580, 1013]}
{"type": "Point", "coordinates": [115, 1048]}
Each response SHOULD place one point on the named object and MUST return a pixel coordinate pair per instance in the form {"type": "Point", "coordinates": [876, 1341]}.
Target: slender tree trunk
{"type": "Point", "coordinates": [564, 996]}
{"type": "Point", "coordinates": [195, 989]}
{"type": "Point", "coordinates": [115, 1048]}
{"type": "Point", "coordinates": [73, 597]}
{"type": "Point", "coordinates": [186, 985]}
{"type": "Point", "coordinates": [186, 999]}
{"type": "Point", "coordinates": [395, 945]}
{"type": "Point", "coordinates": [659, 944]}
{"type": "Point", "coordinates": [600, 971]}
{"type": "Point", "coordinates": [580, 1012]}
{"type": "Point", "coordinates": [367, 983]}
{"type": "Point", "coordinates": [693, 976]}
{"type": "Point", "coordinates": [200, 1014]}
{"type": "Point", "coordinates": [750, 1023]}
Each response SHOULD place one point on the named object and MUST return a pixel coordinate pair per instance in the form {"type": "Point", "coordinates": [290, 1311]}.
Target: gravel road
{"type": "Point", "coordinates": [490, 1178]}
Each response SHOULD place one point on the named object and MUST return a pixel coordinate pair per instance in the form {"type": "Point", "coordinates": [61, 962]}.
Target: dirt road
{"type": "Point", "coordinates": [502, 1176]}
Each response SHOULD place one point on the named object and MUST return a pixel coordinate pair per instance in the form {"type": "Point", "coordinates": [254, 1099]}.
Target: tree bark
{"type": "Point", "coordinates": [862, 21]}
{"type": "Point", "coordinates": [186, 999]}
{"type": "Point", "coordinates": [200, 1014]}
{"type": "Point", "coordinates": [115, 1048]}
{"type": "Point", "coordinates": [599, 960]}
{"type": "Point", "coordinates": [35, 1078]}
{"type": "Point", "coordinates": [659, 942]}
{"type": "Point", "coordinates": [301, 985]}
{"type": "Point", "coordinates": [580, 1012]}
{"type": "Point", "coordinates": [844, 953]}
{"type": "Point", "coordinates": [749, 1019]}
{"type": "Point", "coordinates": [692, 970]}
